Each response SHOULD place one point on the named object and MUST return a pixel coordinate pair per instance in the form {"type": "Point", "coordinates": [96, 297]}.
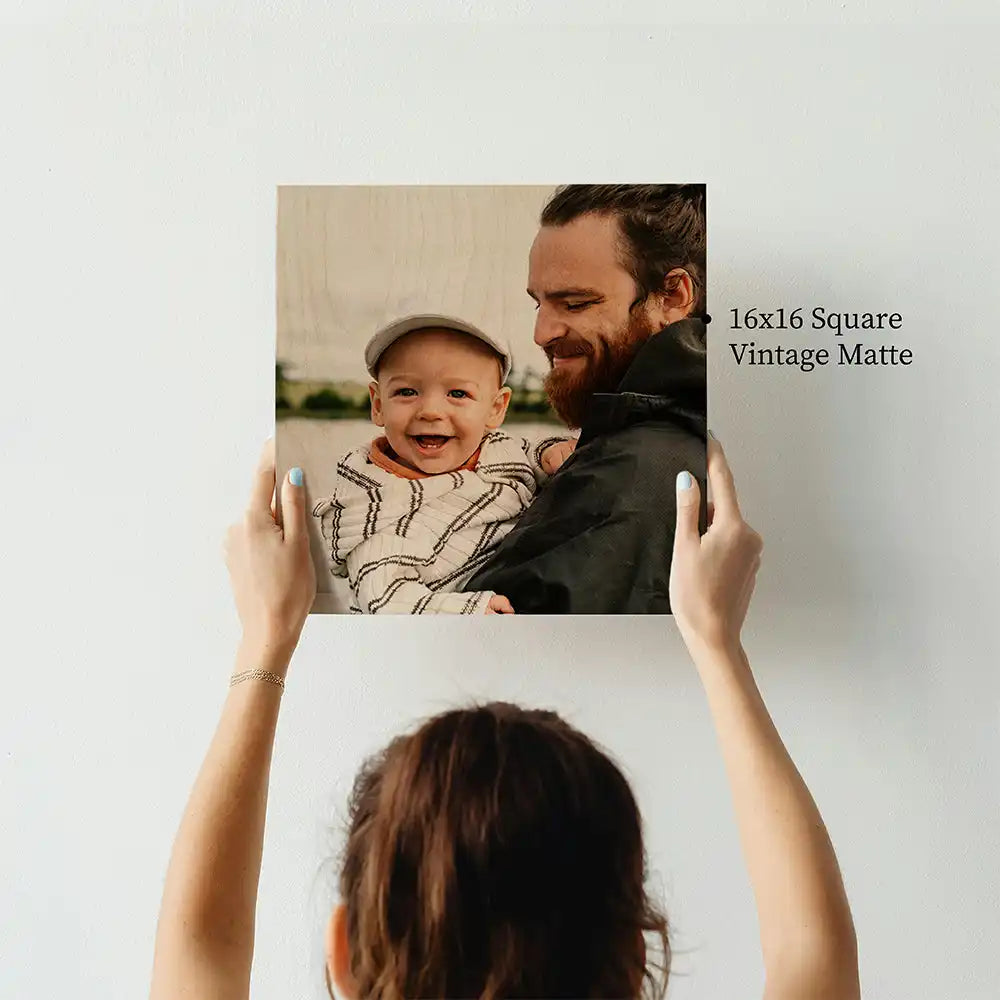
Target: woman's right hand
{"type": "Point", "coordinates": [807, 934]}
{"type": "Point", "coordinates": [712, 576]}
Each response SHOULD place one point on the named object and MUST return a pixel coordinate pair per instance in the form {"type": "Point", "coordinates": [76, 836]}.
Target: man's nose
{"type": "Point", "coordinates": [547, 327]}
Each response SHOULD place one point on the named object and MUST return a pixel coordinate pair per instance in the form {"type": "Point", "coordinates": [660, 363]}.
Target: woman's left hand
{"type": "Point", "coordinates": [270, 567]}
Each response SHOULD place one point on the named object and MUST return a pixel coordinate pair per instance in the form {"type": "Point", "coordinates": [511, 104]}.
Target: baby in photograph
{"type": "Point", "coordinates": [415, 513]}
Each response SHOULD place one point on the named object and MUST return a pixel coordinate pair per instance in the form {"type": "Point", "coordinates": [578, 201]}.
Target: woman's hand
{"type": "Point", "coordinates": [807, 934]}
{"type": "Point", "coordinates": [270, 568]}
{"type": "Point", "coordinates": [204, 939]}
{"type": "Point", "coordinates": [712, 576]}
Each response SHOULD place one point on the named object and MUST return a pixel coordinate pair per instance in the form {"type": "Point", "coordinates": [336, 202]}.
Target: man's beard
{"type": "Point", "coordinates": [605, 366]}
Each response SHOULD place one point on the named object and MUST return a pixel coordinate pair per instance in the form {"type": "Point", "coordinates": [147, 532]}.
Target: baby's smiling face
{"type": "Point", "coordinates": [438, 392]}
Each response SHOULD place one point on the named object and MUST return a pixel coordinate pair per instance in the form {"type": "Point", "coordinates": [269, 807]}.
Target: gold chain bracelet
{"type": "Point", "coordinates": [257, 675]}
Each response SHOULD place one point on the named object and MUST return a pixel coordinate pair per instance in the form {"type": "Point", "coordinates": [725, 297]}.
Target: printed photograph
{"type": "Point", "coordinates": [492, 391]}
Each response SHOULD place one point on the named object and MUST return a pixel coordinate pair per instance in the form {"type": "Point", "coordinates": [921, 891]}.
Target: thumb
{"type": "Point", "coordinates": [688, 497]}
{"type": "Point", "coordinates": [293, 505]}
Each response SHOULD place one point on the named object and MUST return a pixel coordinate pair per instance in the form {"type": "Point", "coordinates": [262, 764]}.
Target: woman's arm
{"type": "Point", "coordinates": [204, 939]}
{"type": "Point", "coordinates": [807, 932]}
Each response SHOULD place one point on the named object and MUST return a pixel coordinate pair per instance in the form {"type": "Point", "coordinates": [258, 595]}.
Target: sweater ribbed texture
{"type": "Point", "coordinates": [408, 546]}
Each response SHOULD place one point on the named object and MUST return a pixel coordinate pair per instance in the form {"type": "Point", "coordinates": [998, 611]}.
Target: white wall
{"type": "Point", "coordinates": [850, 168]}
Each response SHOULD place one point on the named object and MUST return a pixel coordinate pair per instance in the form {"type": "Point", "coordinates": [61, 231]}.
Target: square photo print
{"type": "Point", "coordinates": [491, 391]}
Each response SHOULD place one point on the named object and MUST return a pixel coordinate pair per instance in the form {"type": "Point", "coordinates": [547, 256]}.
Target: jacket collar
{"type": "Point", "coordinates": [667, 381]}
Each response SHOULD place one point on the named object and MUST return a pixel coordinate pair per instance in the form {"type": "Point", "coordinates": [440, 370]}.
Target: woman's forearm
{"type": "Point", "coordinates": [807, 932]}
{"type": "Point", "coordinates": [204, 940]}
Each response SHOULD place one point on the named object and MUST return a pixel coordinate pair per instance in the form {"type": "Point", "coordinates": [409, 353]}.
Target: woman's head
{"type": "Point", "coordinates": [495, 852]}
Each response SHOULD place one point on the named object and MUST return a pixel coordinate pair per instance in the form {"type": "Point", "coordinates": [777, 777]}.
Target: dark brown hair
{"type": "Point", "coordinates": [497, 852]}
{"type": "Point", "coordinates": [662, 228]}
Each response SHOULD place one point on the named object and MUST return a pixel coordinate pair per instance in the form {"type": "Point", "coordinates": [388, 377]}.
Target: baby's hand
{"type": "Point", "coordinates": [554, 456]}
{"type": "Point", "coordinates": [499, 605]}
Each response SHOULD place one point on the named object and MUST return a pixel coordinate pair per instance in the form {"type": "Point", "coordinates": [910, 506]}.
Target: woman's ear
{"type": "Point", "coordinates": [338, 956]}
{"type": "Point", "coordinates": [499, 409]}
{"type": "Point", "coordinates": [376, 401]}
{"type": "Point", "coordinates": [675, 301]}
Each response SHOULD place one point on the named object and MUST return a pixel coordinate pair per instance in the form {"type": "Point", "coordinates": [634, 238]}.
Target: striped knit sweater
{"type": "Point", "coordinates": [407, 546]}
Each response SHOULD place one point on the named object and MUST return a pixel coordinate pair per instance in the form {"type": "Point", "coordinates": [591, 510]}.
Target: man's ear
{"type": "Point", "coordinates": [499, 410]}
{"type": "Point", "coordinates": [376, 401]}
{"type": "Point", "coordinates": [338, 957]}
{"type": "Point", "coordinates": [675, 301]}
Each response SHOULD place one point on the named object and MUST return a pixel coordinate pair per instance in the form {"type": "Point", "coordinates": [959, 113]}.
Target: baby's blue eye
{"type": "Point", "coordinates": [458, 393]}
{"type": "Point", "coordinates": [405, 392]}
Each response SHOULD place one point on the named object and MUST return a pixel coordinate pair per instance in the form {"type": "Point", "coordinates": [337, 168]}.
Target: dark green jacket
{"type": "Point", "coordinates": [598, 538]}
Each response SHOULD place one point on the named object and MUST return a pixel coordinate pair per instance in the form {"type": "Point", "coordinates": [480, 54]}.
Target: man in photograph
{"type": "Point", "coordinates": [617, 273]}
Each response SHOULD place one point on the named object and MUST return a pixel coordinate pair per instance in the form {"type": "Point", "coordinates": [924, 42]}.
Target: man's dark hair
{"type": "Point", "coordinates": [662, 228]}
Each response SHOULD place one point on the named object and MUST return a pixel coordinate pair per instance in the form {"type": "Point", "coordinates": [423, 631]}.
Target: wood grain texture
{"type": "Point", "coordinates": [350, 259]}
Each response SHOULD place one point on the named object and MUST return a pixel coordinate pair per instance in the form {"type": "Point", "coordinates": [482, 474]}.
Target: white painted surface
{"type": "Point", "coordinates": [850, 168]}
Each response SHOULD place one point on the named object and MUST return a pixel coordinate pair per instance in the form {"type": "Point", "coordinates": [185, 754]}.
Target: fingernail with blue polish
{"type": "Point", "coordinates": [683, 480]}
{"type": "Point", "coordinates": [295, 476]}
{"type": "Point", "coordinates": [712, 436]}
